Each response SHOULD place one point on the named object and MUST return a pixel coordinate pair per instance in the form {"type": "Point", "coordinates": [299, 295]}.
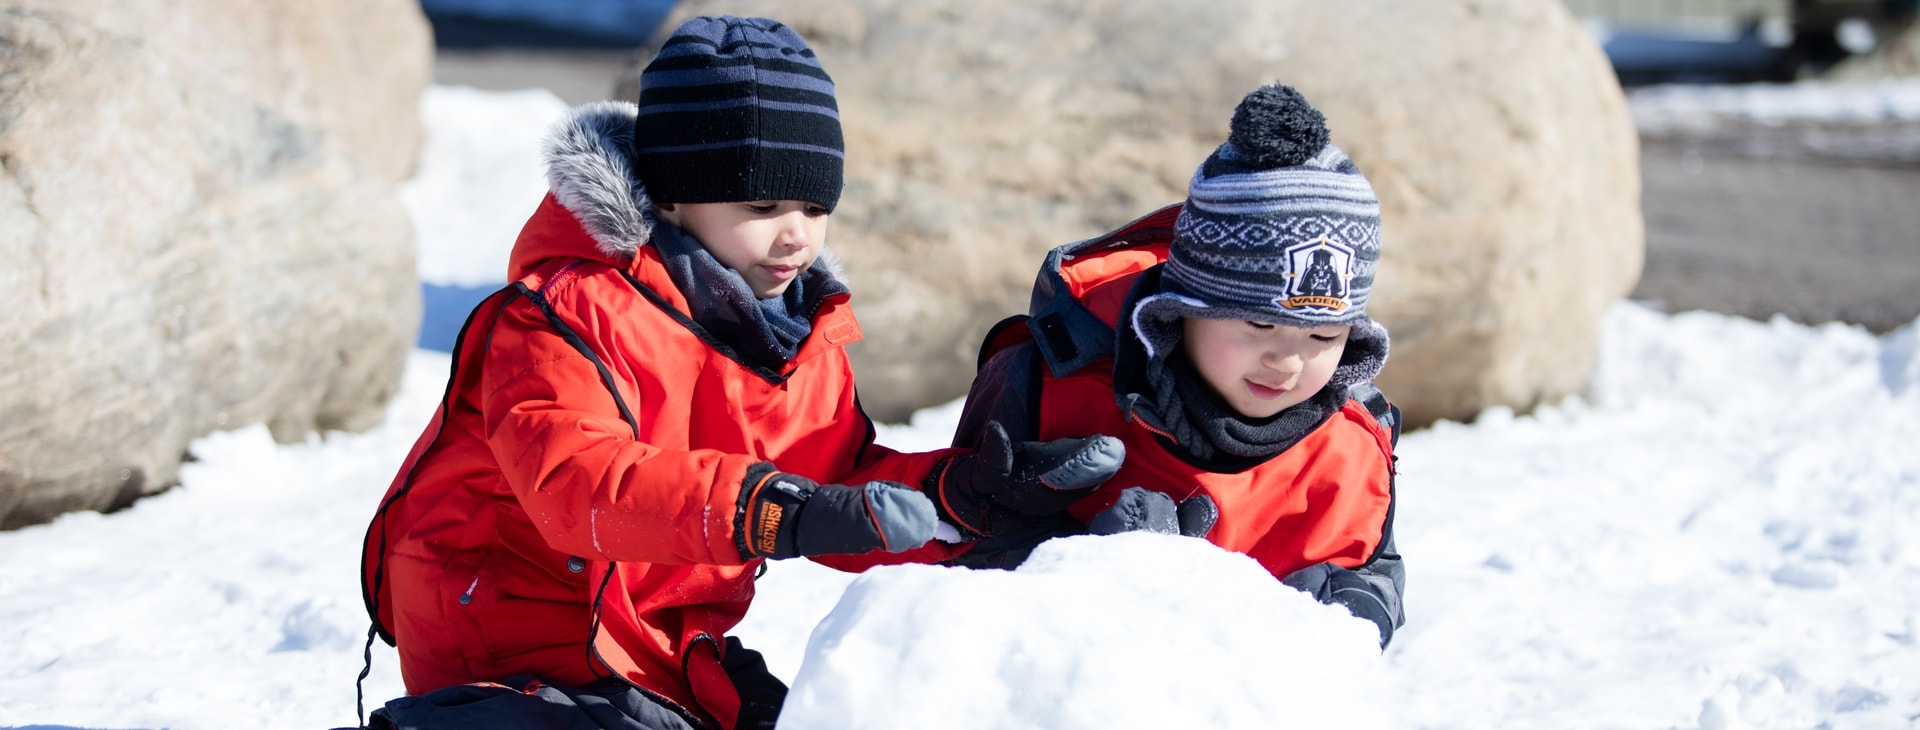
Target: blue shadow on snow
{"type": "Point", "coordinates": [444, 309]}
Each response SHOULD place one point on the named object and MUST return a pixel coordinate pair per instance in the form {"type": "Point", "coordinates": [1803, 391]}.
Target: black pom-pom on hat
{"type": "Point", "coordinates": [1276, 127]}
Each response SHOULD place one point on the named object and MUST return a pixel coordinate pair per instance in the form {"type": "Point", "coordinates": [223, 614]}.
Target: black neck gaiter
{"type": "Point", "coordinates": [1211, 430]}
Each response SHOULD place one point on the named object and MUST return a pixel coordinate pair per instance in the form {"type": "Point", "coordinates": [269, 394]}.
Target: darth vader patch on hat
{"type": "Point", "coordinates": [1319, 274]}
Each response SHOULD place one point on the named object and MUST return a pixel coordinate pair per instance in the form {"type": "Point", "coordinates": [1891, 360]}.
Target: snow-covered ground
{"type": "Point", "coordinates": [1677, 108]}
{"type": "Point", "coordinates": [1718, 534]}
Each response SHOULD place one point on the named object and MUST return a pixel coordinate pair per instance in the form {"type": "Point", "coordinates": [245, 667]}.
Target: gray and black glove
{"type": "Point", "coordinates": [1004, 486]}
{"type": "Point", "coordinates": [1364, 594]}
{"type": "Point", "coordinates": [1143, 510]}
{"type": "Point", "coordinates": [786, 515]}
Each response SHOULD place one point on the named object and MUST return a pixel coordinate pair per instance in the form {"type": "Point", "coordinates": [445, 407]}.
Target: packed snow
{"type": "Point", "coordinates": [1718, 534]}
{"type": "Point", "coordinates": [1140, 631]}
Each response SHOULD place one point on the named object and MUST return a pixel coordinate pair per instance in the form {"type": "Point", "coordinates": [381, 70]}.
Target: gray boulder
{"type": "Point", "coordinates": [199, 230]}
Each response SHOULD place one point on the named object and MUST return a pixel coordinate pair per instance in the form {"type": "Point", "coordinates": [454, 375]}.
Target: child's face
{"type": "Point", "coordinates": [768, 241]}
{"type": "Point", "coordinates": [1259, 368]}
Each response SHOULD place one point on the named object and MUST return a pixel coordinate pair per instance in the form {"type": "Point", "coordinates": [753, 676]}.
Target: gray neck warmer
{"type": "Point", "coordinates": [762, 333]}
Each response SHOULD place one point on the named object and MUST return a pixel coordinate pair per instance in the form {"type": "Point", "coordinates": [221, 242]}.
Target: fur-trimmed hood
{"type": "Point", "coordinates": [590, 173]}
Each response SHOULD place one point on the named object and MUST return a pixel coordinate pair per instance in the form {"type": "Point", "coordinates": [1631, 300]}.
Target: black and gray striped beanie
{"type": "Point", "coordinates": [735, 109]}
{"type": "Point", "coordinates": [1279, 226]}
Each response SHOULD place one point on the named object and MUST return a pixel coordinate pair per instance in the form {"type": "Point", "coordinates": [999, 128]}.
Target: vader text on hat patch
{"type": "Point", "coordinates": [1317, 275]}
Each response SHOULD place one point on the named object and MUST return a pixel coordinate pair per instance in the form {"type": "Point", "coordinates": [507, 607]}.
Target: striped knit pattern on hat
{"type": "Point", "coordinates": [1299, 244]}
{"type": "Point", "coordinates": [736, 109]}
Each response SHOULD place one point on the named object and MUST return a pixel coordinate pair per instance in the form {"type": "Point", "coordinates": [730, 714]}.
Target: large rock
{"type": "Point", "coordinates": [982, 133]}
{"type": "Point", "coordinates": [199, 229]}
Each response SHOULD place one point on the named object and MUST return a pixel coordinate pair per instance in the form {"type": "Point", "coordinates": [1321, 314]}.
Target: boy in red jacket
{"type": "Point", "coordinates": [658, 402]}
{"type": "Point", "coordinates": [1226, 343]}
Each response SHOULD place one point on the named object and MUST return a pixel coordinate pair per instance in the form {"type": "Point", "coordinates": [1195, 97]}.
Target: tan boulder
{"type": "Point", "coordinates": [980, 134]}
{"type": "Point", "coordinates": [199, 228]}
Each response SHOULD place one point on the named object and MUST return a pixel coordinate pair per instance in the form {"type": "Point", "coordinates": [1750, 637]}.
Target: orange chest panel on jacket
{"type": "Point", "coordinates": [1325, 499]}
{"type": "Point", "coordinates": [687, 395]}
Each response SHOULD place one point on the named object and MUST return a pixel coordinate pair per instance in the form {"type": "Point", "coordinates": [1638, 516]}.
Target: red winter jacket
{"type": "Point", "coordinates": [573, 509]}
{"type": "Point", "coordinates": [1325, 499]}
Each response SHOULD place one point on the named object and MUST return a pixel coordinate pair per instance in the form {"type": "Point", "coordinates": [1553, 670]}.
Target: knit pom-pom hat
{"type": "Point", "coordinates": [1279, 226]}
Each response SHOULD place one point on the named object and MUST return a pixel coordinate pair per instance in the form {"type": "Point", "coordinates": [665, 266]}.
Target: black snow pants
{"type": "Point", "coordinates": [525, 702]}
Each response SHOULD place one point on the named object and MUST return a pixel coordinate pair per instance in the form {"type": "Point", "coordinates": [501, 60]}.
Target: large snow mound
{"type": "Point", "coordinates": [1134, 630]}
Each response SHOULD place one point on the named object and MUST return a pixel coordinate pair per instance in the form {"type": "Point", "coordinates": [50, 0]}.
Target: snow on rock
{"type": "Point", "coordinates": [1093, 632]}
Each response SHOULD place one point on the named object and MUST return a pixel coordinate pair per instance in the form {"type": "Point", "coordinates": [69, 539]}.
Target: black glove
{"type": "Point", "coordinates": [1137, 509]}
{"type": "Point", "coordinates": [1332, 584]}
{"type": "Point", "coordinates": [1140, 509]}
{"type": "Point", "coordinates": [1000, 488]}
{"type": "Point", "coordinates": [786, 515]}
{"type": "Point", "coordinates": [1008, 550]}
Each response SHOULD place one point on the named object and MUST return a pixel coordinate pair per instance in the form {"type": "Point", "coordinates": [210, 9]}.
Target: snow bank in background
{"type": "Point", "coordinates": [1684, 107]}
{"type": "Point", "coordinates": [1719, 536]}
{"type": "Point", "coordinates": [1131, 631]}
{"type": "Point", "coordinates": [480, 175]}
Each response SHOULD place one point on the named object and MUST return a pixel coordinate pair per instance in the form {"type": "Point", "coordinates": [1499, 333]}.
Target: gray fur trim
{"type": "Point", "coordinates": [1366, 355]}
{"type": "Point", "coordinates": [589, 171]}
{"type": "Point", "coordinates": [830, 263]}
{"type": "Point", "coordinates": [1156, 321]}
